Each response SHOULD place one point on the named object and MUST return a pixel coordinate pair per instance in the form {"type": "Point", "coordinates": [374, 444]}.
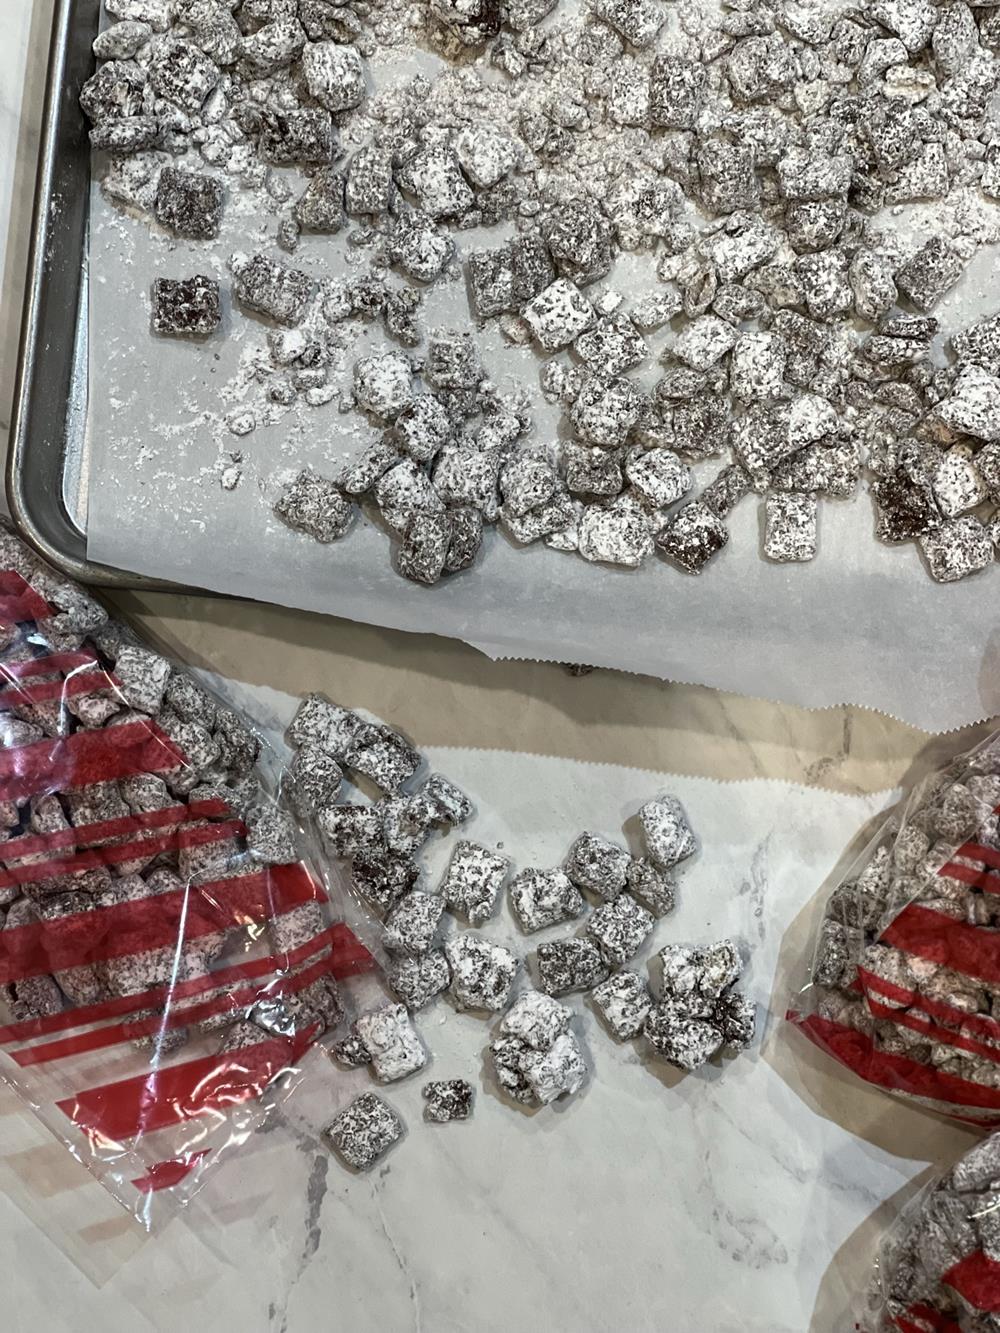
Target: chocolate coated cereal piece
{"type": "Point", "coordinates": [452, 360]}
{"type": "Point", "coordinates": [472, 21]}
{"type": "Point", "coordinates": [692, 536]}
{"type": "Point", "coordinates": [658, 475]}
{"type": "Point", "coordinates": [957, 549]}
{"type": "Point", "coordinates": [725, 491]}
{"type": "Point", "coordinates": [703, 342]}
{"type": "Point", "coordinates": [351, 1052]}
{"type": "Point", "coordinates": [182, 74]}
{"type": "Point", "coordinates": [392, 1040]}
{"type": "Point", "coordinates": [482, 973]}
{"type": "Point", "coordinates": [736, 1018]}
{"type": "Point", "coordinates": [276, 43]}
{"type": "Point", "coordinates": [314, 780]}
{"type": "Point", "coordinates": [315, 506]}
{"type": "Point", "coordinates": [383, 383]}
{"type": "Point", "coordinates": [790, 526]}
{"type": "Point", "coordinates": [579, 240]}
{"type": "Point", "coordinates": [130, 134]}
{"type": "Point", "coordinates": [653, 886]}
{"type": "Point", "coordinates": [384, 756]}
{"type": "Point", "coordinates": [446, 803]}
{"type": "Point", "coordinates": [425, 547]}
{"type": "Point", "coordinates": [613, 346]}
{"type": "Point", "coordinates": [383, 877]}
{"type": "Point", "coordinates": [419, 246]}
{"type": "Point", "coordinates": [536, 1019]}
{"type": "Point", "coordinates": [825, 284]}
{"type": "Point", "coordinates": [617, 533]}
{"type": "Point", "coordinates": [491, 281]}
{"type": "Point", "coordinates": [334, 74]}
{"type": "Point", "coordinates": [569, 965]}
{"type": "Point", "coordinates": [272, 836]}
{"type": "Point", "coordinates": [473, 881]}
{"type": "Point", "coordinates": [973, 404]}
{"type": "Point", "coordinates": [905, 509]}
{"type": "Point", "coordinates": [541, 898]}
{"type": "Point", "coordinates": [558, 315]}
{"type": "Point", "coordinates": [405, 490]}
{"type": "Point", "coordinates": [319, 722]}
{"type": "Point", "coordinates": [555, 1072]}
{"type": "Point", "coordinates": [142, 677]}
{"type": "Point", "coordinates": [619, 928]}
{"type": "Point", "coordinates": [321, 207]}
{"type": "Point", "coordinates": [927, 275]}
{"type": "Point", "coordinates": [423, 427]}
{"type": "Point", "coordinates": [114, 92]}
{"type": "Point", "coordinates": [406, 822]}
{"type": "Point", "coordinates": [681, 1040]}
{"type": "Point", "coordinates": [413, 923]}
{"type": "Point", "coordinates": [624, 1002]}
{"type": "Point", "coordinates": [598, 864]}
{"type": "Point", "coordinates": [270, 288]}
{"type": "Point", "coordinates": [187, 306]}
{"type": "Point", "coordinates": [507, 1053]}
{"type": "Point", "coordinates": [592, 470]}
{"type": "Point", "coordinates": [447, 1101]}
{"type": "Point", "coordinates": [606, 409]}
{"type": "Point", "coordinates": [667, 832]}
{"type": "Point", "coordinates": [676, 87]}
{"type": "Point", "coordinates": [189, 203]}
{"type": "Point", "coordinates": [415, 981]}
{"type": "Point", "coordinates": [526, 481]}
{"type": "Point", "coordinates": [638, 21]}
{"type": "Point", "coordinates": [823, 469]}
{"type": "Point", "coordinates": [364, 1131]}
{"type": "Point", "coordinates": [370, 187]}
{"type": "Point", "coordinates": [435, 177]}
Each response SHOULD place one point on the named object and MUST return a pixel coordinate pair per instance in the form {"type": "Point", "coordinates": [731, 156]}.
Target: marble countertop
{"type": "Point", "coordinates": [745, 1198]}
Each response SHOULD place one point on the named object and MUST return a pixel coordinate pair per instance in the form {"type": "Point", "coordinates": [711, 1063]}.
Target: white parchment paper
{"type": "Point", "coordinates": [862, 624]}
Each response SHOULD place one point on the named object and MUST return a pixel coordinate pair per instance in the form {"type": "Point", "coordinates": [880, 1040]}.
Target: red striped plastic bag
{"type": "Point", "coordinates": [167, 954]}
{"type": "Point", "coordinates": [905, 981]}
{"type": "Point", "coordinates": [938, 1267]}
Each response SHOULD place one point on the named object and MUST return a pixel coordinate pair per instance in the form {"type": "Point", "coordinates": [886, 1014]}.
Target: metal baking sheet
{"type": "Point", "coordinates": [47, 463]}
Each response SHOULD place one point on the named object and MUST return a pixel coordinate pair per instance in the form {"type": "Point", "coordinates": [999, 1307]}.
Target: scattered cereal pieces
{"type": "Point", "coordinates": [447, 1101]}
{"type": "Point", "coordinates": [364, 1131]}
